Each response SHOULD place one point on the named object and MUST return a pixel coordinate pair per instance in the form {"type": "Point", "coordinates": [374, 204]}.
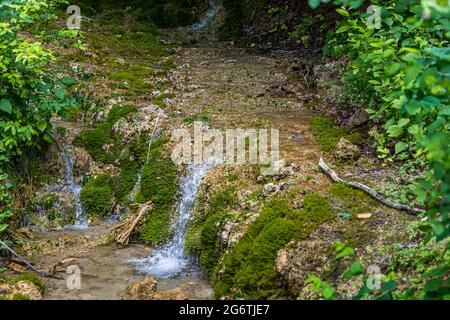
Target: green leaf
{"type": "Point", "coordinates": [314, 3]}
{"type": "Point", "coordinates": [413, 107]}
{"type": "Point", "coordinates": [5, 106]}
{"type": "Point", "coordinates": [42, 125]}
{"type": "Point", "coordinates": [400, 146]}
{"type": "Point", "coordinates": [403, 122]}
{"type": "Point", "coordinates": [394, 131]}
{"type": "Point", "coordinates": [343, 12]}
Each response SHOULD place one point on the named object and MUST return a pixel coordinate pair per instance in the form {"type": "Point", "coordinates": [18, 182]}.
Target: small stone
{"type": "Point", "coordinates": [346, 150]}
{"type": "Point", "coordinates": [16, 267]}
{"type": "Point", "coordinates": [297, 137]}
{"type": "Point", "coordinates": [364, 215]}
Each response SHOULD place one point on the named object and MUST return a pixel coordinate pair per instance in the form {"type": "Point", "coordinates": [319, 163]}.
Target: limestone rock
{"type": "Point", "coordinates": [24, 288]}
{"type": "Point", "coordinates": [142, 289]}
{"type": "Point", "coordinates": [346, 150]}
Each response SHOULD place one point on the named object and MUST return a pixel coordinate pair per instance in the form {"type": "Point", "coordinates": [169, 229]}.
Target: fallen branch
{"type": "Point", "coordinates": [28, 264]}
{"type": "Point", "coordinates": [369, 191]}
{"type": "Point", "coordinates": [124, 229]}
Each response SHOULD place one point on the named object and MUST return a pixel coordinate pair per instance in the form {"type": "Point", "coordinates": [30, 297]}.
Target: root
{"type": "Point", "coordinates": [124, 230]}
{"type": "Point", "coordinates": [369, 191]}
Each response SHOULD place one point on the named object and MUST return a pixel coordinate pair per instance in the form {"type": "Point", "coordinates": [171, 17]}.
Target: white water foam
{"type": "Point", "coordinates": [74, 188]}
{"type": "Point", "coordinates": [170, 260]}
{"type": "Point", "coordinates": [204, 22]}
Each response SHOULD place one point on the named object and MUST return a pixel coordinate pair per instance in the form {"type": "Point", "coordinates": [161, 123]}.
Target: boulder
{"type": "Point", "coordinates": [345, 150]}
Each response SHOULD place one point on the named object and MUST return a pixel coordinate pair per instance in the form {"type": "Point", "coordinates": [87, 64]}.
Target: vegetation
{"type": "Point", "coordinates": [158, 184]}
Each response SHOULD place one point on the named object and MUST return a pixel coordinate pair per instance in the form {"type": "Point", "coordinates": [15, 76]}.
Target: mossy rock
{"type": "Point", "coordinates": [158, 184]}
{"type": "Point", "coordinates": [97, 196]}
{"type": "Point", "coordinates": [119, 112]}
{"type": "Point", "coordinates": [31, 277]}
{"type": "Point", "coordinates": [328, 135]}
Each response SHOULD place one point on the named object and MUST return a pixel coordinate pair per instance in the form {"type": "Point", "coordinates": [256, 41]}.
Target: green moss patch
{"type": "Point", "coordinates": [351, 200]}
{"type": "Point", "coordinates": [97, 195]}
{"type": "Point", "coordinates": [94, 140]}
{"type": "Point", "coordinates": [328, 135]}
{"type": "Point", "coordinates": [158, 184]}
{"type": "Point", "coordinates": [119, 112]}
{"type": "Point", "coordinates": [247, 269]}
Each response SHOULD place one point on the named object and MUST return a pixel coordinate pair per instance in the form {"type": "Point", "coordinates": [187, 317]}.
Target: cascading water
{"type": "Point", "coordinates": [74, 188]}
{"type": "Point", "coordinates": [171, 259]}
{"type": "Point", "coordinates": [204, 22]}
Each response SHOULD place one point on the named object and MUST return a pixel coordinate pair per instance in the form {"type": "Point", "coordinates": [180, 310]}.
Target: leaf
{"type": "Point", "coordinates": [5, 106]}
{"type": "Point", "coordinates": [355, 269]}
{"type": "Point", "coordinates": [343, 12]}
{"type": "Point", "coordinates": [314, 3]}
{"type": "Point", "coordinates": [392, 69]}
{"type": "Point", "coordinates": [403, 122]}
{"type": "Point", "coordinates": [42, 125]}
{"type": "Point", "coordinates": [412, 107]}
{"type": "Point", "coordinates": [394, 131]}
{"type": "Point", "coordinates": [400, 146]}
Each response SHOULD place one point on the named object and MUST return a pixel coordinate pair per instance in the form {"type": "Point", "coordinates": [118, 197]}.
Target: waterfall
{"type": "Point", "coordinates": [204, 22]}
{"type": "Point", "coordinates": [170, 260]}
{"type": "Point", "coordinates": [74, 188]}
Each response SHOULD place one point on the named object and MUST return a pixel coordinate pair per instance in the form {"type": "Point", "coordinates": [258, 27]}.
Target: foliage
{"type": "Point", "coordinates": [93, 140]}
{"type": "Point", "coordinates": [96, 196]}
{"type": "Point", "coordinates": [29, 94]}
{"type": "Point", "coordinates": [158, 184]}
{"type": "Point", "coordinates": [6, 202]}
{"type": "Point", "coordinates": [401, 72]}
{"type": "Point", "coordinates": [118, 112]}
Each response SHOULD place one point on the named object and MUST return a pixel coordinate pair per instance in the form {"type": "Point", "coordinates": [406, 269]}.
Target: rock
{"type": "Point", "coordinates": [298, 204]}
{"type": "Point", "coordinates": [364, 215]}
{"type": "Point", "coordinates": [359, 118]}
{"type": "Point", "coordinates": [297, 137]}
{"type": "Point", "coordinates": [270, 189]}
{"type": "Point", "coordinates": [285, 172]}
{"type": "Point", "coordinates": [183, 292]}
{"type": "Point", "coordinates": [24, 288]}
{"type": "Point", "coordinates": [17, 267]}
{"type": "Point", "coordinates": [81, 160]}
{"type": "Point", "coordinates": [142, 289]}
{"type": "Point", "coordinates": [63, 263]}
{"type": "Point", "coordinates": [346, 150]}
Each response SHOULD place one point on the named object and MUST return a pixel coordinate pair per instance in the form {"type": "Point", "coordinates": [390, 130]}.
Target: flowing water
{"type": "Point", "coordinates": [204, 22]}
{"type": "Point", "coordinates": [171, 260]}
{"type": "Point", "coordinates": [74, 188]}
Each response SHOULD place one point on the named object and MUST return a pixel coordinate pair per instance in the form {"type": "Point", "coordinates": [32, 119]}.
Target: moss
{"type": "Point", "coordinates": [350, 199]}
{"type": "Point", "coordinates": [159, 100]}
{"type": "Point", "coordinates": [97, 195]}
{"type": "Point", "coordinates": [94, 140]}
{"type": "Point", "coordinates": [19, 296]}
{"type": "Point", "coordinates": [247, 270]}
{"type": "Point", "coordinates": [131, 163]}
{"type": "Point", "coordinates": [190, 120]}
{"type": "Point", "coordinates": [328, 135]}
{"type": "Point", "coordinates": [31, 277]}
{"type": "Point", "coordinates": [119, 112]}
{"type": "Point", "coordinates": [201, 235]}
{"type": "Point", "coordinates": [158, 184]}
